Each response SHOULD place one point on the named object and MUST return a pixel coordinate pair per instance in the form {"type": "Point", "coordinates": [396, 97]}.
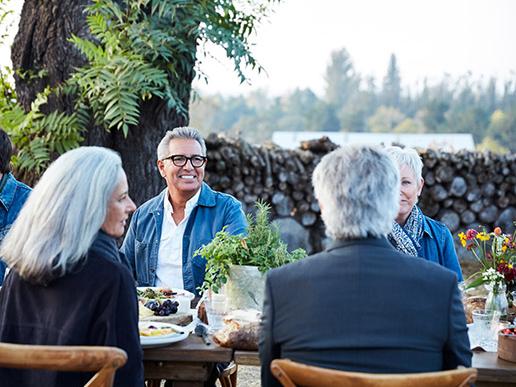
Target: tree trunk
{"type": "Point", "coordinates": [41, 43]}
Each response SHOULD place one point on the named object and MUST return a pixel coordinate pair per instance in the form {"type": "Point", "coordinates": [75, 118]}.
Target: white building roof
{"type": "Point", "coordinates": [443, 141]}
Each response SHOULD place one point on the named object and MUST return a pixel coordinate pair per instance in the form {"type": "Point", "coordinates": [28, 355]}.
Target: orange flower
{"type": "Point", "coordinates": [497, 231]}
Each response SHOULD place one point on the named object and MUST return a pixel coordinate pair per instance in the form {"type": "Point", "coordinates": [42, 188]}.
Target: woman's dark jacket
{"type": "Point", "coordinates": [96, 304]}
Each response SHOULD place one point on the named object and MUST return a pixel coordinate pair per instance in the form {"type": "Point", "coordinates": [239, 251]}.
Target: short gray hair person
{"type": "Point", "coordinates": [358, 188]}
{"type": "Point", "coordinates": [184, 132]}
{"type": "Point", "coordinates": [408, 157]}
{"type": "Point", "coordinates": [62, 215]}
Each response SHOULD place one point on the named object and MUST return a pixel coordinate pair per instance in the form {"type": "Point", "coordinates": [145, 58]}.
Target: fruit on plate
{"type": "Point", "coordinates": [508, 332]}
{"type": "Point", "coordinates": [162, 308]}
{"type": "Point", "coordinates": [157, 307]}
{"type": "Point", "coordinates": [164, 301]}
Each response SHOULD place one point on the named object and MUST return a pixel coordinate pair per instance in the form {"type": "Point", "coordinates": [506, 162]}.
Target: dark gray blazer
{"type": "Point", "coordinates": [362, 306]}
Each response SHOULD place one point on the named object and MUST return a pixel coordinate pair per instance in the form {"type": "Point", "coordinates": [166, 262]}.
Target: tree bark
{"type": "Point", "coordinates": [41, 43]}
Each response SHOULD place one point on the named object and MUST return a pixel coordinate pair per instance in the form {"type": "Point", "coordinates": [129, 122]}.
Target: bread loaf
{"type": "Point", "coordinates": [238, 336]}
{"type": "Point", "coordinates": [241, 331]}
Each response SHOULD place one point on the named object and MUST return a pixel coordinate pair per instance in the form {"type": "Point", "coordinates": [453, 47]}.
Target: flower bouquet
{"type": "Point", "coordinates": [496, 253]}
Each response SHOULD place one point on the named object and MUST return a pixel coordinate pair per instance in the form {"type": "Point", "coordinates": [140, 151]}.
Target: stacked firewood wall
{"type": "Point", "coordinates": [468, 189]}
{"type": "Point", "coordinates": [463, 189]}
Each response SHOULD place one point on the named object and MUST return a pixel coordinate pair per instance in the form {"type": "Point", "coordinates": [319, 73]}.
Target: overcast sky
{"type": "Point", "coordinates": [429, 37]}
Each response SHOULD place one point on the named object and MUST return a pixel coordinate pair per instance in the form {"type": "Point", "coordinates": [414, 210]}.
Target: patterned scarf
{"type": "Point", "coordinates": [406, 239]}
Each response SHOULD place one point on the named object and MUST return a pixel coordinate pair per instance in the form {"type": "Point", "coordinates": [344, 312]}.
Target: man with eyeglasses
{"type": "Point", "coordinates": [166, 230]}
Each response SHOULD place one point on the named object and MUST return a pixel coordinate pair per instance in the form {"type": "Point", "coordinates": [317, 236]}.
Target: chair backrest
{"type": "Point", "coordinates": [291, 374]}
{"type": "Point", "coordinates": [103, 360]}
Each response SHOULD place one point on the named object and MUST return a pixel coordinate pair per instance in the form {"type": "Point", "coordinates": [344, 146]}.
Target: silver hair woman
{"type": "Point", "coordinates": [356, 203]}
{"type": "Point", "coordinates": [67, 284]}
{"type": "Point", "coordinates": [63, 215]}
{"type": "Point", "coordinates": [413, 232]}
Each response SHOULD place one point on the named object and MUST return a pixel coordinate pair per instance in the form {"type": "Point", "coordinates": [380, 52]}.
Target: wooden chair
{"type": "Point", "coordinates": [228, 377]}
{"type": "Point", "coordinates": [104, 360]}
{"type": "Point", "coordinates": [292, 374]}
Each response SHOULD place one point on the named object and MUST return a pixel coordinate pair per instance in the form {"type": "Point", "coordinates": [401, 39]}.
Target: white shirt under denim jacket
{"type": "Point", "coordinates": [169, 272]}
{"type": "Point", "coordinates": [141, 246]}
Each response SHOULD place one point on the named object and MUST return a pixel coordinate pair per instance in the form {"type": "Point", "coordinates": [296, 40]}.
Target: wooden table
{"type": "Point", "coordinates": [187, 363]}
{"type": "Point", "coordinates": [493, 371]}
{"type": "Point", "coordinates": [190, 363]}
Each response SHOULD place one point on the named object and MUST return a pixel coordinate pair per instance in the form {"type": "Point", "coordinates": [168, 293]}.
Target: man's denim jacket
{"type": "Point", "coordinates": [214, 210]}
{"type": "Point", "coordinates": [12, 198]}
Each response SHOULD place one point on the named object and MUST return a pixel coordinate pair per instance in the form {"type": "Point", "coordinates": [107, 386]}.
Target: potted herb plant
{"type": "Point", "coordinates": [238, 262]}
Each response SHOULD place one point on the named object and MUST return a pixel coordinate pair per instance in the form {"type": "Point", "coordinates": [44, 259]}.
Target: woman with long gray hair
{"type": "Point", "coordinates": [67, 285]}
{"type": "Point", "coordinates": [413, 232]}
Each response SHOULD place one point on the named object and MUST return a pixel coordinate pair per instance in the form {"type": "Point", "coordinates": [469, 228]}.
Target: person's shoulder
{"type": "Point", "coordinates": [108, 270]}
{"type": "Point", "coordinates": [101, 277]}
{"type": "Point", "coordinates": [24, 188]}
{"type": "Point", "coordinates": [301, 267]}
{"type": "Point", "coordinates": [221, 198]}
{"type": "Point", "coordinates": [424, 268]}
{"type": "Point", "coordinates": [435, 224]}
{"type": "Point", "coordinates": [21, 190]}
{"type": "Point", "coordinates": [151, 204]}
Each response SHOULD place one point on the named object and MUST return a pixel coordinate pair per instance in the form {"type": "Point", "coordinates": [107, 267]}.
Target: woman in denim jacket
{"type": "Point", "coordinates": [413, 232]}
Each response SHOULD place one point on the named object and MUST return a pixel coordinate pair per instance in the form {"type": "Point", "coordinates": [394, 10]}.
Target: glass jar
{"type": "Point", "coordinates": [497, 299]}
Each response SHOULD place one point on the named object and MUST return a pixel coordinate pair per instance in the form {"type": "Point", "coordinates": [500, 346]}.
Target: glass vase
{"type": "Point", "coordinates": [497, 299]}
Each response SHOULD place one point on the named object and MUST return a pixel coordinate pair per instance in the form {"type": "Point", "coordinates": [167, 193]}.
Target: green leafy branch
{"type": "Point", "coordinates": [138, 50]}
{"type": "Point", "coordinates": [261, 247]}
{"type": "Point", "coordinates": [38, 136]}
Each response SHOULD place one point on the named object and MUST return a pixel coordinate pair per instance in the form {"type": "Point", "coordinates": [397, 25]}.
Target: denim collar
{"type": "Point", "coordinates": [426, 227]}
{"type": "Point", "coordinates": [7, 194]}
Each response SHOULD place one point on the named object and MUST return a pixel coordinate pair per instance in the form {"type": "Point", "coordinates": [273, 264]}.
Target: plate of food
{"type": "Point", "coordinates": [157, 334]}
{"type": "Point", "coordinates": [151, 292]}
{"type": "Point", "coordinates": [162, 302]}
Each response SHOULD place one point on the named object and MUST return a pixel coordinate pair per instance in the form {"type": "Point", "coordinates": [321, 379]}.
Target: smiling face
{"type": "Point", "coordinates": [182, 182]}
{"type": "Point", "coordinates": [410, 191]}
{"type": "Point", "coordinates": [120, 206]}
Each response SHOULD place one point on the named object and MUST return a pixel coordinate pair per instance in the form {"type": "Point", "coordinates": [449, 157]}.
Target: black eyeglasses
{"type": "Point", "coordinates": [181, 160]}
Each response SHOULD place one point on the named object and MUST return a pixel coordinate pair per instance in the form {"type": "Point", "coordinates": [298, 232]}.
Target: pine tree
{"type": "Point", "coordinates": [341, 79]}
{"type": "Point", "coordinates": [391, 91]}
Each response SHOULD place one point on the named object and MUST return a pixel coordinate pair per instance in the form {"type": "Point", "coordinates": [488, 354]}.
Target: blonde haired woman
{"type": "Point", "coordinates": [413, 232]}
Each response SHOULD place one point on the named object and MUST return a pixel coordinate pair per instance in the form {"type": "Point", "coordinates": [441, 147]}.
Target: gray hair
{"type": "Point", "coordinates": [185, 132]}
{"type": "Point", "coordinates": [408, 157]}
{"type": "Point", "coordinates": [358, 187]}
{"type": "Point", "coordinates": [63, 214]}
